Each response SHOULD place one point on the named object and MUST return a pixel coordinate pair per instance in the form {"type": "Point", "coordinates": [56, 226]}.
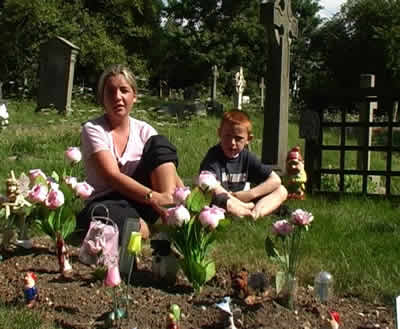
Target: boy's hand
{"type": "Point", "coordinates": [238, 208]}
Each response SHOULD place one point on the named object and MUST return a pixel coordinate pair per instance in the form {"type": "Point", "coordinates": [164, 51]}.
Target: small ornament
{"type": "Point", "coordinates": [30, 290]}
{"type": "Point", "coordinates": [226, 307]}
{"type": "Point", "coordinates": [323, 283]}
{"type": "Point", "coordinates": [296, 175]}
{"type": "Point", "coordinates": [333, 321]}
{"type": "Point", "coordinates": [164, 262]}
{"type": "Point", "coordinates": [173, 317]}
{"type": "Point", "coordinates": [63, 256]}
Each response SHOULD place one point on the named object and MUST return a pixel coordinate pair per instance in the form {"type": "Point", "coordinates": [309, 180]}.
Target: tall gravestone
{"type": "Point", "coordinates": [57, 65]}
{"type": "Point", "coordinates": [281, 28]}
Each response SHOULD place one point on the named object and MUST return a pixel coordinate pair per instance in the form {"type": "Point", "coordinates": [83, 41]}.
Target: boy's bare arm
{"type": "Point", "coordinates": [269, 185]}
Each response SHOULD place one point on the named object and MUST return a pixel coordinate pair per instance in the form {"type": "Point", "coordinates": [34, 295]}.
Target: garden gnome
{"type": "Point", "coordinates": [30, 291]}
{"type": "Point", "coordinates": [296, 175]}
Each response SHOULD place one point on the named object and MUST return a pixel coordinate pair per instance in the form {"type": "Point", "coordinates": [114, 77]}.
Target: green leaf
{"type": "Point", "coordinates": [55, 176]}
{"type": "Point", "coordinates": [210, 271]}
{"type": "Point", "coordinates": [68, 227]}
{"type": "Point", "coordinates": [270, 248]}
{"type": "Point", "coordinates": [198, 199]}
{"type": "Point", "coordinates": [280, 280]}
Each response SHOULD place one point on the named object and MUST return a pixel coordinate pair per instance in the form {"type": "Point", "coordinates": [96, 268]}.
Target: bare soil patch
{"type": "Point", "coordinates": [82, 302]}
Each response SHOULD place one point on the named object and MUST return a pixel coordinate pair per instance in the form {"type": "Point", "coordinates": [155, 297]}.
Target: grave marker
{"type": "Point", "coordinates": [57, 65]}
{"type": "Point", "coordinates": [281, 28]}
{"type": "Point", "coordinates": [240, 84]}
{"type": "Point", "coordinates": [214, 85]}
{"type": "Point", "coordinates": [262, 89]}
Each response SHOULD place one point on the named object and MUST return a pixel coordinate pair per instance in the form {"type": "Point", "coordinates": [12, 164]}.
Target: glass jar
{"type": "Point", "coordinates": [323, 286]}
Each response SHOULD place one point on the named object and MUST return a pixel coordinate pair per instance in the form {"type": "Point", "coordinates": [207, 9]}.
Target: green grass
{"type": "Point", "coordinates": [356, 239]}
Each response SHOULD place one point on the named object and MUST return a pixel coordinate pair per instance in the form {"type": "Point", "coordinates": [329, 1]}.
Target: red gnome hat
{"type": "Point", "coordinates": [294, 154]}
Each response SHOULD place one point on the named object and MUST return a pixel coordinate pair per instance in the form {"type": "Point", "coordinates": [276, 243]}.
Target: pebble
{"type": "Point", "coordinates": [203, 308]}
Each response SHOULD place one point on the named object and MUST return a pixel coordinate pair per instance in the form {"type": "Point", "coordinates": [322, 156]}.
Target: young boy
{"type": "Point", "coordinates": [234, 166]}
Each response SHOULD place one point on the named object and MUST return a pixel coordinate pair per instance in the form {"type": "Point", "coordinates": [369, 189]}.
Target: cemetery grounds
{"type": "Point", "coordinates": [355, 239]}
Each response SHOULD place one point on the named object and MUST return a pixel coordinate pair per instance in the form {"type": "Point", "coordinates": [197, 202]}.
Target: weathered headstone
{"type": "Point", "coordinates": [262, 89]}
{"type": "Point", "coordinates": [281, 28]}
{"type": "Point", "coordinates": [240, 84]}
{"type": "Point", "coordinates": [57, 65]}
{"type": "Point", "coordinates": [214, 85]}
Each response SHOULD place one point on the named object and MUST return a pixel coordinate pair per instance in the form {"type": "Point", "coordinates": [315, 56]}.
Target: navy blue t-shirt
{"type": "Point", "coordinates": [234, 173]}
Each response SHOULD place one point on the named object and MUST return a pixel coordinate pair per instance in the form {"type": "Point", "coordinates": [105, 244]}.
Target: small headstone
{"type": "Point", "coordinates": [245, 99]}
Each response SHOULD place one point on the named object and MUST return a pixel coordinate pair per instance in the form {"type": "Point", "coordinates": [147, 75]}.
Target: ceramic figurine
{"type": "Point", "coordinates": [173, 317]}
{"type": "Point", "coordinates": [63, 256]}
{"type": "Point", "coordinates": [164, 262]}
{"type": "Point", "coordinates": [225, 305]}
{"type": "Point", "coordinates": [296, 175]}
{"type": "Point", "coordinates": [30, 290]}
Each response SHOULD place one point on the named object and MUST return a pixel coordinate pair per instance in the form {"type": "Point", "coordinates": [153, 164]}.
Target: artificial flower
{"type": "Point", "coordinates": [180, 195]}
{"type": "Point", "coordinates": [38, 193]}
{"type": "Point", "coordinates": [301, 217]}
{"type": "Point", "coordinates": [55, 199]}
{"type": "Point", "coordinates": [113, 277]}
{"type": "Point", "coordinates": [71, 181]}
{"type": "Point", "coordinates": [83, 190]}
{"type": "Point", "coordinates": [207, 181]}
{"type": "Point", "coordinates": [73, 155]}
{"type": "Point", "coordinates": [135, 243]}
{"type": "Point", "coordinates": [36, 176]}
{"type": "Point", "coordinates": [282, 228]}
{"type": "Point", "coordinates": [210, 216]}
{"type": "Point", "coordinates": [178, 215]}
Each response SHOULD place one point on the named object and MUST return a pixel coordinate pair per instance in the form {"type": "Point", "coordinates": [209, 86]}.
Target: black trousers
{"type": "Point", "coordinates": [157, 151]}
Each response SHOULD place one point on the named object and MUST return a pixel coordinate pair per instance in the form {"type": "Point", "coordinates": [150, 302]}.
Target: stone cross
{"type": "Point", "coordinates": [262, 88]}
{"type": "Point", "coordinates": [281, 28]}
{"type": "Point", "coordinates": [214, 85]}
{"type": "Point", "coordinates": [240, 84]}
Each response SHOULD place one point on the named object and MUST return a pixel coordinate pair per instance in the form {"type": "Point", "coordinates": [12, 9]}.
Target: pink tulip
{"type": "Point", "coordinates": [73, 155]}
{"type": "Point", "coordinates": [38, 193]}
{"type": "Point", "coordinates": [178, 215]}
{"type": "Point", "coordinates": [180, 194]}
{"type": "Point", "coordinates": [35, 175]}
{"type": "Point", "coordinates": [301, 217]}
{"type": "Point", "coordinates": [282, 227]}
{"type": "Point", "coordinates": [210, 216]}
{"type": "Point", "coordinates": [83, 190]}
{"type": "Point", "coordinates": [113, 277]}
{"type": "Point", "coordinates": [207, 180]}
{"type": "Point", "coordinates": [71, 181]}
{"type": "Point", "coordinates": [55, 199]}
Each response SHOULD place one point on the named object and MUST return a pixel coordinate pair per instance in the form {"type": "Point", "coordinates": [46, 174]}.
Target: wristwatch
{"type": "Point", "coordinates": [149, 195]}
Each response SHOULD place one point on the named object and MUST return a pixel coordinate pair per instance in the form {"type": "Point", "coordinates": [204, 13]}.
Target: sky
{"type": "Point", "coordinates": [330, 7]}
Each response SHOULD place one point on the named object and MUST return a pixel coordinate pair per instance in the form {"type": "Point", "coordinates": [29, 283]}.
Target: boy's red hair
{"type": "Point", "coordinates": [237, 117]}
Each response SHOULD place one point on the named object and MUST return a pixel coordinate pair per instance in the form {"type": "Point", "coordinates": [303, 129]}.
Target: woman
{"type": "Point", "coordinates": [130, 166]}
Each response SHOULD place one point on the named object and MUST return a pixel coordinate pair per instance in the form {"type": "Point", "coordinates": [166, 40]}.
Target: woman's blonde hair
{"type": "Point", "coordinates": [113, 70]}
